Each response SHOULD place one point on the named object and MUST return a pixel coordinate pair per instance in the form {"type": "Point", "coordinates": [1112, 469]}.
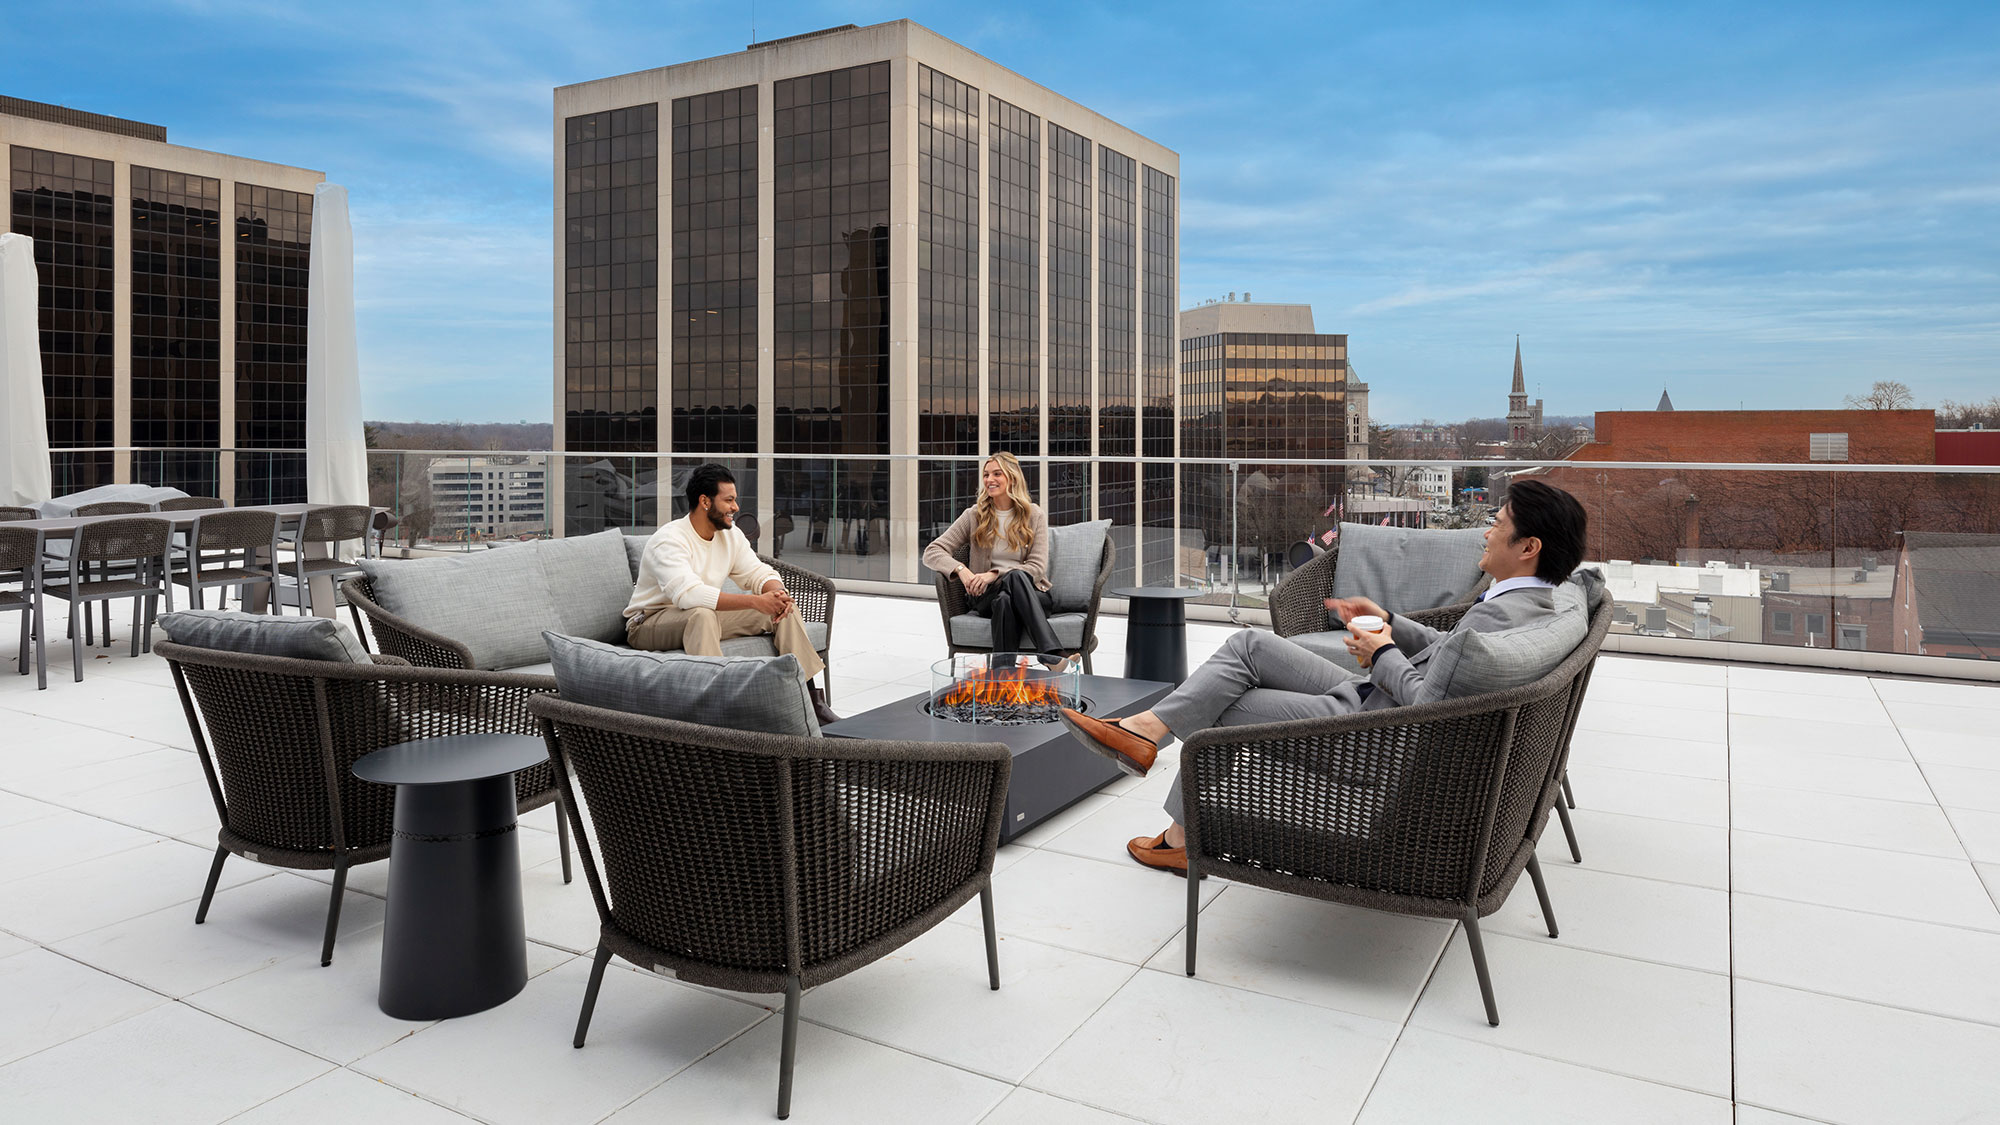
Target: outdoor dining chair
{"type": "Point", "coordinates": [331, 526]}
{"type": "Point", "coordinates": [118, 558]}
{"type": "Point", "coordinates": [222, 550]}
{"type": "Point", "coordinates": [188, 504]}
{"type": "Point", "coordinates": [57, 551]}
{"type": "Point", "coordinates": [21, 562]}
{"type": "Point", "coordinates": [11, 514]}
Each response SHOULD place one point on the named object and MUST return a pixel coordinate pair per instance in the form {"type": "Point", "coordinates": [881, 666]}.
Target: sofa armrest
{"type": "Point", "coordinates": [396, 636]}
{"type": "Point", "coordinates": [811, 592]}
{"type": "Point", "coordinates": [1298, 605]}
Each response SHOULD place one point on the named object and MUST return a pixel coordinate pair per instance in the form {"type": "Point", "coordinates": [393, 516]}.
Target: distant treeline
{"type": "Point", "coordinates": [459, 435]}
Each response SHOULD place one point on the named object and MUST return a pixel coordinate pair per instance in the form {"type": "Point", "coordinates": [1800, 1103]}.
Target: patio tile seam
{"type": "Point", "coordinates": [1962, 856]}
{"type": "Point", "coordinates": [1729, 883]}
{"type": "Point", "coordinates": [1472, 1036]}
{"type": "Point", "coordinates": [163, 998]}
{"type": "Point", "coordinates": [1403, 1024]}
{"type": "Point", "coordinates": [1403, 1018]}
{"type": "Point", "coordinates": [1753, 978]}
{"type": "Point", "coordinates": [166, 1000]}
{"type": "Point", "coordinates": [1787, 1113]}
{"type": "Point", "coordinates": [1995, 928]}
{"type": "Point", "coordinates": [1120, 1114]}
{"type": "Point", "coordinates": [691, 1064]}
{"type": "Point", "coordinates": [54, 867]}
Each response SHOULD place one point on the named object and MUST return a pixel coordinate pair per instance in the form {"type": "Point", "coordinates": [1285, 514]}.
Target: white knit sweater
{"type": "Point", "coordinates": [680, 568]}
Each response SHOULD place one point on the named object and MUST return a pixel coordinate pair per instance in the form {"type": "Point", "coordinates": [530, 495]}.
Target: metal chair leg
{"type": "Point", "coordinates": [75, 640]}
{"type": "Point", "coordinates": [789, 1050]}
{"type": "Point", "coordinates": [1569, 794]}
{"type": "Point", "coordinates": [590, 994]}
{"type": "Point", "coordinates": [562, 835]}
{"type": "Point", "coordinates": [1193, 908]}
{"type": "Point", "coordinates": [1569, 832]}
{"type": "Point", "coordinates": [333, 910]}
{"type": "Point", "coordinates": [1479, 964]}
{"type": "Point", "coordinates": [137, 607]}
{"type": "Point", "coordinates": [208, 892]}
{"type": "Point", "coordinates": [992, 939]}
{"type": "Point", "coordinates": [1542, 894]}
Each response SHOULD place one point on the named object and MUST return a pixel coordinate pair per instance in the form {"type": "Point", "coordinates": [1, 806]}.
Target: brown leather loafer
{"type": "Point", "coordinates": [1152, 851]}
{"type": "Point", "coordinates": [1129, 752]}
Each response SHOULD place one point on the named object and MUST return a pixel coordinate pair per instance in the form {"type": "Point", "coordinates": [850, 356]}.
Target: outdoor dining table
{"type": "Point", "coordinates": [64, 528]}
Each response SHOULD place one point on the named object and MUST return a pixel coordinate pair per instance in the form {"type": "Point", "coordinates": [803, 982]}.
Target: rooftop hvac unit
{"type": "Point", "coordinates": [1709, 583]}
{"type": "Point", "coordinates": [1868, 563]}
{"type": "Point", "coordinates": [1860, 576]}
{"type": "Point", "coordinates": [1656, 619]}
{"type": "Point", "coordinates": [1781, 581]}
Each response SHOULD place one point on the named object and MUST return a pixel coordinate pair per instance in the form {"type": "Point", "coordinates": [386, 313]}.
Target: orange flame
{"type": "Point", "coordinates": [1002, 687]}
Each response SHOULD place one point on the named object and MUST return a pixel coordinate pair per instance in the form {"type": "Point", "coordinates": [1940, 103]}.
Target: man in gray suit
{"type": "Point", "coordinates": [1535, 542]}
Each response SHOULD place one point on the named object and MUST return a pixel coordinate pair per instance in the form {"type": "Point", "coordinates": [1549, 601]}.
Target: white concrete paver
{"type": "Point", "coordinates": [1787, 898]}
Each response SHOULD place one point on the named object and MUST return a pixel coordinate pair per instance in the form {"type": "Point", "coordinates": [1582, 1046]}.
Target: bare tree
{"type": "Point", "coordinates": [1886, 394]}
{"type": "Point", "coordinates": [1965, 415]}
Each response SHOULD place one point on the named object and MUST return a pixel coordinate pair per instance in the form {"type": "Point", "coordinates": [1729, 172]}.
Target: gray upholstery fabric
{"type": "Point", "coordinates": [496, 603]}
{"type": "Point", "coordinates": [976, 631]}
{"type": "Point", "coordinates": [1470, 663]}
{"type": "Point", "coordinates": [762, 694]}
{"type": "Point", "coordinates": [1406, 569]}
{"type": "Point", "coordinates": [1075, 549]}
{"type": "Point", "coordinates": [265, 634]}
{"type": "Point", "coordinates": [734, 646]}
{"type": "Point", "coordinates": [590, 581]}
{"type": "Point", "coordinates": [1331, 645]}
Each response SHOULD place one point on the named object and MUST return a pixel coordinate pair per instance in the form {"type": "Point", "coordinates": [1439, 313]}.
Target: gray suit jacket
{"type": "Point", "coordinates": [1398, 674]}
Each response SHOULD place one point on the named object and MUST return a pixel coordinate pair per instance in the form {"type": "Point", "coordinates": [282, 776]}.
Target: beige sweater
{"type": "Point", "coordinates": [680, 568]}
{"type": "Point", "coordinates": [939, 555]}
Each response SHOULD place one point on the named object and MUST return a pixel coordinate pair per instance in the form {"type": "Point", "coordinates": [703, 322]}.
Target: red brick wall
{"type": "Point", "coordinates": [1899, 437]}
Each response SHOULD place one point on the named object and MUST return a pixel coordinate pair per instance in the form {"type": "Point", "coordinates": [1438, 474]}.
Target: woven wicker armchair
{"type": "Point", "coordinates": [278, 739]}
{"type": "Point", "coordinates": [397, 636]}
{"type": "Point", "coordinates": [768, 863]}
{"type": "Point", "coordinates": [953, 600]}
{"type": "Point", "coordinates": [1431, 810]}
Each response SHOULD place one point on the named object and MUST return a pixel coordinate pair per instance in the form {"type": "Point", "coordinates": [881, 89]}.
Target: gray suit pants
{"type": "Point", "coordinates": [1256, 677]}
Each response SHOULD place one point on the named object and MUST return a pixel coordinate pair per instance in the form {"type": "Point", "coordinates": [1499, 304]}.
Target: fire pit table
{"type": "Point", "coordinates": [1011, 698]}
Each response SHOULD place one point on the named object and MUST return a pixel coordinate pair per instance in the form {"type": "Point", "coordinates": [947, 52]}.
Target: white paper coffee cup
{"type": "Point", "coordinates": [1366, 623]}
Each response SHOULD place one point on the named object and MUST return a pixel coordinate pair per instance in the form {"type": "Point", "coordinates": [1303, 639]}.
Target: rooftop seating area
{"type": "Point", "coordinates": [1785, 911]}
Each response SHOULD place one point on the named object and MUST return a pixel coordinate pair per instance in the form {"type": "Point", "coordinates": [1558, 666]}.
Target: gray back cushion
{"type": "Point", "coordinates": [747, 693]}
{"type": "Point", "coordinates": [591, 581]}
{"type": "Point", "coordinates": [1469, 663]}
{"type": "Point", "coordinates": [496, 603]}
{"type": "Point", "coordinates": [1074, 552]}
{"type": "Point", "coordinates": [1406, 569]}
{"type": "Point", "coordinates": [265, 634]}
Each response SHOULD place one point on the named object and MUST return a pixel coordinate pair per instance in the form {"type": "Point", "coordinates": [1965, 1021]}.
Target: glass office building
{"type": "Point", "coordinates": [886, 257]}
{"type": "Point", "coordinates": [173, 304]}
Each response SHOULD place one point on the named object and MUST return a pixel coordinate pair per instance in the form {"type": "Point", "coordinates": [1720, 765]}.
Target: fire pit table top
{"type": "Point", "coordinates": [1051, 772]}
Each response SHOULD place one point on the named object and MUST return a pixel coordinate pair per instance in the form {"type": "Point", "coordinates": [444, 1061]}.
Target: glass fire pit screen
{"type": "Point", "coordinates": [1003, 688]}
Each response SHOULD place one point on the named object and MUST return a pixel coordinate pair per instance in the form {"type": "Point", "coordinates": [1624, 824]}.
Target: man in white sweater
{"type": "Point", "coordinates": [679, 603]}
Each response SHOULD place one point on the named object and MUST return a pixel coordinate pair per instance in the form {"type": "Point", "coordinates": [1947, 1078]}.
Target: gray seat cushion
{"type": "Point", "coordinates": [495, 603]}
{"type": "Point", "coordinates": [734, 646]}
{"type": "Point", "coordinates": [592, 584]}
{"type": "Point", "coordinates": [974, 631]}
{"type": "Point", "coordinates": [265, 634]}
{"type": "Point", "coordinates": [762, 694]}
{"type": "Point", "coordinates": [1405, 569]}
{"type": "Point", "coordinates": [1075, 549]}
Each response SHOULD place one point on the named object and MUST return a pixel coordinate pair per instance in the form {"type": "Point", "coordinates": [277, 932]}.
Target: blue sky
{"type": "Point", "coordinates": [1769, 205]}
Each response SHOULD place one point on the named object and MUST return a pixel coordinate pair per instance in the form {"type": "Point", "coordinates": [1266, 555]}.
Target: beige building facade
{"type": "Point", "coordinates": [848, 264]}
{"type": "Point", "coordinates": [173, 315]}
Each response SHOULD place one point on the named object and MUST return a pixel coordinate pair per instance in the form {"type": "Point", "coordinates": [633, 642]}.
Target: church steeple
{"type": "Point", "coordinates": [1521, 421]}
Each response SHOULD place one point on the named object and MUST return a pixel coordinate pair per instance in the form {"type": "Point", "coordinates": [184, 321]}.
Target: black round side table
{"type": "Point", "coordinates": [1156, 632]}
{"type": "Point", "coordinates": [454, 941]}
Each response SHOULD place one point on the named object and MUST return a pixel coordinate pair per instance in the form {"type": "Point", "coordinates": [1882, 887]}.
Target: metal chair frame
{"type": "Point", "coordinates": [21, 551]}
{"type": "Point", "coordinates": [143, 584]}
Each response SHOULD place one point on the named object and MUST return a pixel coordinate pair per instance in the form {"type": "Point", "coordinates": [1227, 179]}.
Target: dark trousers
{"type": "Point", "coordinates": [1019, 612]}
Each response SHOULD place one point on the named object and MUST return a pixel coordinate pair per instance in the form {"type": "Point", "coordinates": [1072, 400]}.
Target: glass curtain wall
{"type": "Point", "coordinates": [714, 374]}
{"type": "Point", "coordinates": [1068, 491]}
{"type": "Point", "coordinates": [1162, 554]}
{"type": "Point", "coordinates": [273, 258]}
{"type": "Point", "coordinates": [947, 298]}
{"type": "Point", "coordinates": [64, 203]}
{"type": "Point", "coordinates": [1117, 350]}
{"type": "Point", "coordinates": [177, 328]}
{"type": "Point", "coordinates": [1014, 251]}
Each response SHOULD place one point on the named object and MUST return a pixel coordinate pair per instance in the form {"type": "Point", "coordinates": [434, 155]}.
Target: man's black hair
{"type": "Point", "coordinates": [707, 480]}
{"type": "Point", "coordinates": [1554, 517]}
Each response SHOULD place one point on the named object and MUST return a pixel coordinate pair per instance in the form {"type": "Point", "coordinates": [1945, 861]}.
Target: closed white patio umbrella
{"type": "Point", "coordinates": [336, 449]}
{"type": "Point", "coordinates": [24, 463]}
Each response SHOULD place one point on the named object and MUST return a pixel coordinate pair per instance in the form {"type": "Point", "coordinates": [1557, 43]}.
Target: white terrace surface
{"type": "Point", "coordinates": [1785, 912]}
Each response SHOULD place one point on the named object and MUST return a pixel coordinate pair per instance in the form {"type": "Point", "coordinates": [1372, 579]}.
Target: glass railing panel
{"type": "Point", "coordinates": [1916, 564]}
{"type": "Point", "coordinates": [1161, 554]}
{"type": "Point", "coordinates": [1118, 501]}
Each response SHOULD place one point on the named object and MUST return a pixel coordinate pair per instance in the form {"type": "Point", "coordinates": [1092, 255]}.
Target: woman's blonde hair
{"type": "Point", "coordinates": [986, 518]}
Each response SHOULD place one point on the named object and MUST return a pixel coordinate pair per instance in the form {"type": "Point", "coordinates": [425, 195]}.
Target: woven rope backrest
{"type": "Point", "coordinates": [330, 525]}
{"type": "Point", "coordinates": [880, 842]}
{"type": "Point", "coordinates": [811, 597]}
{"type": "Point", "coordinates": [192, 504]}
{"type": "Point", "coordinates": [690, 840]}
{"type": "Point", "coordinates": [19, 547]}
{"type": "Point", "coordinates": [110, 540]}
{"type": "Point", "coordinates": [234, 531]}
{"type": "Point", "coordinates": [264, 734]}
{"type": "Point", "coordinates": [10, 514]}
{"type": "Point", "coordinates": [113, 508]}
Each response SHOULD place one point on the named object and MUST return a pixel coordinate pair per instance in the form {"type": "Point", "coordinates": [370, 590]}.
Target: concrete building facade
{"type": "Point", "coordinates": [848, 264]}
{"type": "Point", "coordinates": [173, 304]}
{"type": "Point", "coordinates": [485, 497]}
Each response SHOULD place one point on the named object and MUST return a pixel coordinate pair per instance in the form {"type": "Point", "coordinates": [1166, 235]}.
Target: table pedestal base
{"type": "Point", "coordinates": [453, 942]}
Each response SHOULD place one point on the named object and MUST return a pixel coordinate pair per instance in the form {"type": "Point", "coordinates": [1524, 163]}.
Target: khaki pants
{"type": "Point", "coordinates": [700, 632]}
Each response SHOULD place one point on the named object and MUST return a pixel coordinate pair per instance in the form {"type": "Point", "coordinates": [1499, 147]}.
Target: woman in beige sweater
{"type": "Point", "coordinates": [1008, 578]}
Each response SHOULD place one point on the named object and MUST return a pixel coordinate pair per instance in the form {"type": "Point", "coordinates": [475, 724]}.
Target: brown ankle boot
{"type": "Point", "coordinates": [824, 713]}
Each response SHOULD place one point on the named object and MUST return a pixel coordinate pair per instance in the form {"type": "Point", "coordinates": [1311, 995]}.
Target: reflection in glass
{"type": "Point", "coordinates": [64, 203]}
{"type": "Point", "coordinates": [714, 373]}
{"type": "Point", "coordinates": [611, 258]}
{"type": "Point", "coordinates": [176, 327]}
{"type": "Point", "coordinates": [1013, 237]}
{"type": "Point", "coordinates": [273, 259]}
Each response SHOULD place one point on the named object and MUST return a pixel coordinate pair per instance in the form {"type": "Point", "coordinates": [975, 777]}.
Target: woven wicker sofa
{"type": "Point", "coordinates": [1431, 810]}
{"type": "Point", "coordinates": [439, 641]}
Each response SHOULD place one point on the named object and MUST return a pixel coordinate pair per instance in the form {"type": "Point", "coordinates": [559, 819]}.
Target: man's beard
{"type": "Point", "coordinates": [719, 521]}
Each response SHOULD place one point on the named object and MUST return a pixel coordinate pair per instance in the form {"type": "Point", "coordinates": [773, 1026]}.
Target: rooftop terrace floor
{"type": "Point", "coordinates": [1785, 912]}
